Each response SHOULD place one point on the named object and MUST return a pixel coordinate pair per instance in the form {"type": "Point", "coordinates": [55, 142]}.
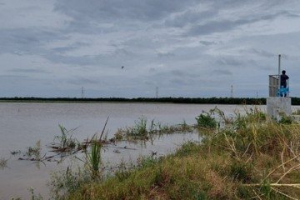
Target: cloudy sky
{"type": "Point", "coordinates": [128, 48]}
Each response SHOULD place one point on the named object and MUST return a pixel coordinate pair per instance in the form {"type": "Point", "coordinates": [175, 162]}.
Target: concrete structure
{"type": "Point", "coordinates": [273, 85]}
{"type": "Point", "coordinates": [278, 106]}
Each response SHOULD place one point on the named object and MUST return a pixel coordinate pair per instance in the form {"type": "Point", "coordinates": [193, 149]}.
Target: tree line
{"type": "Point", "coordinates": [185, 100]}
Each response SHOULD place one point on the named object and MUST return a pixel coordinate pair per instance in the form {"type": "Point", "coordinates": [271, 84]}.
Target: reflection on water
{"type": "Point", "coordinates": [24, 124]}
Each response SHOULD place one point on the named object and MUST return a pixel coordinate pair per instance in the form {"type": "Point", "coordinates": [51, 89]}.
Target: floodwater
{"type": "Point", "coordinates": [23, 124]}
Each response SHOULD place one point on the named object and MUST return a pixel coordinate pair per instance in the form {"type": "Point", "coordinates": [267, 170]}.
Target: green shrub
{"type": "Point", "coordinates": [205, 120]}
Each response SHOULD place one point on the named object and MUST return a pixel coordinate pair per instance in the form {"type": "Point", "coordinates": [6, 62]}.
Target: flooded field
{"type": "Point", "coordinates": [24, 124]}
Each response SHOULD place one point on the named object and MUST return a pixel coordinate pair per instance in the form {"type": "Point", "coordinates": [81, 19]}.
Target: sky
{"type": "Point", "coordinates": [144, 48]}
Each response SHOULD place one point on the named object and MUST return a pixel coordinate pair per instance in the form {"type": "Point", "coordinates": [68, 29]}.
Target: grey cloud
{"type": "Point", "coordinates": [146, 38]}
{"type": "Point", "coordinates": [190, 17]}
{"type": "Point", "coordinates": [229, 61]}
{"type": "Point", "coordinates": [182, 73]}
{"type": "Point", "coordinates": [71, 47]}
{"type": "Point", "coordinates": [226, 25]}
{"type": "Point", "coordinates": [84, 81]}
{"type": "Point", "coordinates": [95, 10]}
{"type": "Point", "coordinates": [123, 52]}
{"type": "Point", "coordinates": [25, 41]}
{"type": "Point", "coordinates": [178, 73]}
{"type": "Point", "coordinates": [262, 53]}
{"type": "Point", "coordinates": [152, 69]}
{"type": "Point", "coordinates": [75, 60]}
{"type": "Point", "coordinates": [179, 82]}
{"type": "Point", "coordinates": [207, 43]}
{"type": "Point", "coordinates": [163, 55]}
{"type": "Point", "coordinates": [19, 70]}
{"type": "Point", "coordinates": [3, 77]}
{"type": "Point", "coordinates": [173, 78]}
{"type": "Point", "coordinates": [221, 72]}
{"type": "Point", "coordinates": [211, 27]}
{"type": "Point", "coordinates": [118, 57]}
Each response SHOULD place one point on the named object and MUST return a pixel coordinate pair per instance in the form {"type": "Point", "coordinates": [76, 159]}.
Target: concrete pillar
{"type": "Point", "coordinates": [278, 106]}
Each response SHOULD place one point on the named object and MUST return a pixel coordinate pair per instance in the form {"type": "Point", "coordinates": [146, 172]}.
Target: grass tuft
{"type": "Point", "coordinates": [3, 163]}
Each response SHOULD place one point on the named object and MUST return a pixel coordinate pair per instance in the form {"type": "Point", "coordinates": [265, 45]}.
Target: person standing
{"type": "Point", "coordinates": [283, 83]}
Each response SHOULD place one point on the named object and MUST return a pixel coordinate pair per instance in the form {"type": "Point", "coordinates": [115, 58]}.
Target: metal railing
{"type": "Point", "coordinates": [275, 90]}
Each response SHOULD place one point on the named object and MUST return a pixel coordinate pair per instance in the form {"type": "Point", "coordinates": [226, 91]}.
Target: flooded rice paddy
{"type": "Point", "coordinates": [24, 124]}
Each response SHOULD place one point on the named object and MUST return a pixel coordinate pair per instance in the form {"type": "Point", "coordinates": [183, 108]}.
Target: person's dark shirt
{"type": "Point", "coordinates": [283, 78]}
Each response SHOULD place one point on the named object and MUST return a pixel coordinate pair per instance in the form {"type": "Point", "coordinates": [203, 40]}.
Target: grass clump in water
{"type": "Point", "coordinates": [93, 158]}
{"type": "Point", "coordinates": [3, 163]}
{"type": "Point", "coordinates": [205, 120]}
{"type": "Point", "coordinates": [66, 142]}
{"type": "Point", "coordinates": [141, 130]}
{"type": "Point", "coordinates": [258, 160]}
{"type": "Point", "coordinates": [70, 180]}
{"type": "Point", "coordinates": [34, 153]}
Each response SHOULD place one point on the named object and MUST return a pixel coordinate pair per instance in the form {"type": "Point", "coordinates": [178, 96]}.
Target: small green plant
{"type": "Point", "coordinates": [3, 163]}
{"type": "Point", "coordinates": [205, 120]}
{"type": "Point", "coordinates": [286, 119]}
{"type": "Point", "coordinates": [146, 161]}
{"type": "Point", "coordinates": [296, 112]}
{"type": "Point", "coordinates": [17, 152]}
{"type": "Point", "coordinates": [35, 152]}
{"type": "Point", "coordinates": [93, 158]}
{"type": "Point", "coordinates": [240, 171]}
{"type": "Point", "coordinates": [140, 128]}
{"type": "Point", "coordinates": [255, 115]}
{"type": "Point", "coordinates": [185, 127]}
{"type": "Point", "coordinates": [119, 135]}
{"type": "Point", "coordinates": [34, 196]}
{"type": "Point", "coordinates": [67, 181]}
{"type": "Point", "coordinates": [239, 122]}
{"type": "Point", "coordinates": [66, 142]}
{"type": "Point", "coordinates": [266, 190]}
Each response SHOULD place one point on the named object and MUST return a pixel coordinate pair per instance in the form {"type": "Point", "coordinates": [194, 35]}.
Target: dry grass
{"type": "Point", "coordinates": [252, 158]}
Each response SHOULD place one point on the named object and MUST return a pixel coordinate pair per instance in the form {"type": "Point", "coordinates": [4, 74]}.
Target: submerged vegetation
{"type": "Point", "coordinates": [140, 131]}
{"type": "Point", "coordinates": [66, 142]}
{"type": "Point", "coordinates": [3, 163]}
{"type": "Point", "coordinates": [251, 157]}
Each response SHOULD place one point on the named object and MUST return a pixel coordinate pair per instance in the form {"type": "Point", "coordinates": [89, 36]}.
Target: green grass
{"type": "Point", "coordinates": [66, 142]}
{"type": "Point", "coordinates": [144, 131]}
{"type": "Point", "coordinates": [34, 152]}
{"type": "Point", "coordinates": [253, 157]}
{"type": "Point", "coordinates": [296, 112]}
{"type": "Point", "coordinates": [3, 163]}
{"type": "Point", "coordinates": [206, 120]}
{"type": "Point", "coordinates": [93, 159]}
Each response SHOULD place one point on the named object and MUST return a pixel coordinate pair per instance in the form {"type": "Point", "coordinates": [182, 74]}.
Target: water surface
{"type": "Point", "coordinates": [23, 124]}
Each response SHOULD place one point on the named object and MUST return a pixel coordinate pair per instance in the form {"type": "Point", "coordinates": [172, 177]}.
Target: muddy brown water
{"type": "Point", "coordinates": [23, 124]}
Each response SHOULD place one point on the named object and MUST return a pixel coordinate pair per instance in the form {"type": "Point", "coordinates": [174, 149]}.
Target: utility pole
{"type": "Point", "coordinates": [231, 91]}
{"type": "Point", "coordinates": [279, 59]}
{"type": "Point", "coordinates": [82, 92]}
{"type": "Point", "coordinates": [156, 92]}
